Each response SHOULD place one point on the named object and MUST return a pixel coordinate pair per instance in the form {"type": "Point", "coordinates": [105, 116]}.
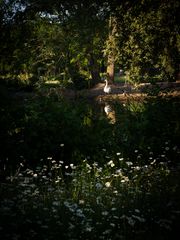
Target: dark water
{"type": "Point", "coordinates": [35, 129]}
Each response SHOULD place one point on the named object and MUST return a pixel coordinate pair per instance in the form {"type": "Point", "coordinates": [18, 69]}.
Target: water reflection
{"type": "Point", "coordinates": [110, 113]}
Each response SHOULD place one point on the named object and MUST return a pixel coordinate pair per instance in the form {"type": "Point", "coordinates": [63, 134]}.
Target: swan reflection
{"type": "Point", "coordinates": [110, 113]}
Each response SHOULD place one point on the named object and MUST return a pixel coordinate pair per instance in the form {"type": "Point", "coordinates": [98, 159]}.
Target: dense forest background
{"type": "Point", "coordinates": [76, 42]}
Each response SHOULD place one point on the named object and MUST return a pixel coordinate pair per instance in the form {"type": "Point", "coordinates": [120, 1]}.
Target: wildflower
{"type": "Point", "coordinates": [140, 219]}
{"type": "Point", "coordinates": [21, 164]}
{"type": "Point", "coordinates": [107, 232]}
{"type": "Point", "coordinates": [112, 225]}
{"type": "Point", "coordinates": [118, 154]}
{"type": "Point", "coordinates": [98, 199]}
{"type": "Point", "coordinates": [137, 168]}
{"type": "Point", "coordinates": [136, 151]}
{"type": "Point", "coordinates": [88, 166]}
{"type": "Point", "coordinates": [119, 171]}
{"type": "Point", "coordinates": [54, 210]}
{"type": "Point", "coordinates": [99, 169]}
{"type": "Point", "coordinates": [72, 166]}
{"type": "Point", "coordinates": [95, 164]}
{"type": "Point", "coordinates": [121, 159]}
{"type": "Point", "coordinates": [71, 226]}
{"type": "Point", "coordinates": [26, 180]}
{"type": "Point", "coordinates": [126, 179]}
{"type": "Point", "coordinates": [131, 221]}
{"type": "Point", "coordinates": [111, 163]}
{"type": "Point", "coordinates": [81, 201]}
{"type": "Point", "coordinates": [137, 210]}
{"type": "Point", "coordinates": [105, 213]}
{"type": "Point", "coordinates": [115, 192]}
{"type": "Point", "coordinates": [175, 148]}
{"type": "Point", "coordinates": [129, 163]}
{"type": "Point", "coordinates": [99, 185]}
{"type": "Point", "coordinates": [55, 203]}
{"type": "Point", "coordinates": [113, 209]}
{"type": "Point", "coordinates": [153, 162]}
{"type": "Point", "coordinates": [79, 213]}
{"type": "Point", "coordinates": [107, 184]}
{"type": "Point", "coordinates": [67, 204]}
{"type": "Point", "coordinates": [164, 223]}
{"type": "Point", "coordinates": [62, 145]}
{"type": "Point", "coordinates": [88, 229]}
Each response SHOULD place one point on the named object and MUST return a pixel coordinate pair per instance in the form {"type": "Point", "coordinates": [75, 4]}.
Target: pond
{"type": "Point", "coordinates": [35, 128]}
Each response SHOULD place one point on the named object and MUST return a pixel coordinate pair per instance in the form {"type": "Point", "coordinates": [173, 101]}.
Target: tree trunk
{"type": "Point", "coordinates": [94, 70]}
{"type": "Point", "coordinates": [110, 68]}
{"type": "Point", "coordinates": [112, 46]}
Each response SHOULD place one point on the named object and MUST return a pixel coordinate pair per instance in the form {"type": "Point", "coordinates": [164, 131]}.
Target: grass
{"type": "Point", "coordinates": [119, 79]}
{"type": "Point", "coordinates": [69, 174]}
{"type": "Point", "coordinates": [117, 200]}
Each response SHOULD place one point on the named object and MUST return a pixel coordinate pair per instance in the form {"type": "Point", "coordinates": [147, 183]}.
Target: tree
{"type": "Point", "coordinates": [148, 40]}
{"type": "Point", "coordinates": [64, 36]}
{"type": "Point", "coordinates": [111, 48]}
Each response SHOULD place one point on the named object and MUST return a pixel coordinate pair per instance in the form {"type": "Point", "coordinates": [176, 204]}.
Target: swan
{"type": "Point", "coordinates": [107, 88]}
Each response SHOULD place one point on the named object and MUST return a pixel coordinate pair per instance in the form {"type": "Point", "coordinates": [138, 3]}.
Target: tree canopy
{"type": "Point", "coordinates": [73, 41]}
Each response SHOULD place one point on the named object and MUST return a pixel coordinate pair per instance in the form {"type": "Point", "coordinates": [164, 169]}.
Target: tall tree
{"type": "Point", "coordinates": [148, 40]}
{"type": "Point", "coordinates": [67, 34]}
{"type": "Point", "coordinates": [111, 48]}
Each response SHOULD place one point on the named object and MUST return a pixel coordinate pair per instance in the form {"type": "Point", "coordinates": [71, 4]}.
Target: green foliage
{"type": "Point", "coordinates": [47, 39]}
{"type": "Point", "coordinates": [147, 41]}
{"type": "Point", "coordinates": [111, 201]}
{"type": "Point", "coordinates": [64, 166]}
{"type": "Point", "coordinates": [36, 128]}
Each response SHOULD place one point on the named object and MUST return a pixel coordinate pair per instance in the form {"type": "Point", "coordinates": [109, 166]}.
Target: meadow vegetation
{"type": "Point", "coordinates": [68, 173]}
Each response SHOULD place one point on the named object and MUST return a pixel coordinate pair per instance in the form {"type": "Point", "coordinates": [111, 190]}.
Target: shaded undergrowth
{"type": "Point", "coordinates": [67, 172]}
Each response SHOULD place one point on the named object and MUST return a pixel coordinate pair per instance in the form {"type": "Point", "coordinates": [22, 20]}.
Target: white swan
{"type": "Point", "coordinates": [107, 88]}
